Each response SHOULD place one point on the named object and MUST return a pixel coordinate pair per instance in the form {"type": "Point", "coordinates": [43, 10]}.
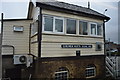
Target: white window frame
{"type": "Point", "coordinates": [101, 29]}
{"type": "Point", "coordinates": [54, 24]}
{"type": "Point", "coordinates": [43, 23]}
{"type": "Point", "coordinates": [62, 72]}
{"type": "Point", "coordinates": [91, 68]}
{"type": "Point", "coordinates": [75, 26]}
{"type": "Point", "coordinates": [96, 35]}
{"type": "Point", "coordinates": [90, 28]}
{"type": "Point", "coordinates": [54, 17]}
{"type": "Point", "coordinates": [87, 27]}
{"type": "Point", "coordinates": [32, 24]}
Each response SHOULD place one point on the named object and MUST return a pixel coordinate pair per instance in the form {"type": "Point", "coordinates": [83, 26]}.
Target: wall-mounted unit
{"type": "Point", "coordinates": [23, 59]}
{"type": "Point", "coordinates": [18, 28]}
{"type": "Point", "coordinates": [98, 46]}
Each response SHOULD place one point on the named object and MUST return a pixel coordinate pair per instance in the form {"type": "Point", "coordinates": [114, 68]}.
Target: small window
{"type": "Point", "coordinates": [83, 28]}
{"type": "Point", "coordinates": [99, 29]}
{"type": "Point", "coordinates": [34, 28]}
{"type": "Point", "coordinates": [48, 23]}
{"type": "Point", "coordinates": [93, 29]}
{"type": "Point", "coordinates": [18, 28]}
{"type": "Point", "coordinates": [58, 25]}
{"type": "Point", "coordinates": [61, 74]}
{"type": "Point", "coordinates": [53, 24]}
{"type": "Point", "coordinates": [71, 26]}
{"type": "Point", "coordinates": [90, 71]}
{"type": "Point", "coordinates": [98, 46]}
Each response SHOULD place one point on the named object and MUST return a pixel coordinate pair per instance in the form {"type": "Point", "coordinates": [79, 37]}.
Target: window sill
{"type": "Point", "coordinates": [34, 35]}
{"type": "Point", "coordinates": [90, 77]}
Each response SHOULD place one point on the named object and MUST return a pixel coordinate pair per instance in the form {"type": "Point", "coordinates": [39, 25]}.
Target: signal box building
{"type": "Point", "coordinates": [66, 41]}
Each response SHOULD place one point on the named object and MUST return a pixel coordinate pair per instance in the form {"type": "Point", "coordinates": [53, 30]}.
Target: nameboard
{"type": "Point", "coordinates": [75, 46]}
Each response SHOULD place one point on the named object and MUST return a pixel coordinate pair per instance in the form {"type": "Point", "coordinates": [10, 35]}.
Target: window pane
{"type": "Point", "coordinates": [83, 28]}
{"type": "Point", "coordinates": [48, 26]}
{"type": "Point", "coordinates": [34, 28]}
{"type": "Point", "coordinates": [99, 30]}
{"type": "Point", "coordinates": [90, 72]}
{"type": "Point", "coordinates": [71, 26]}
{"type": "Point", "coordinates": [93, 29]}
{"type": "Point", "coordinates": [61, 76]}
{"type": "Point", "coordinates": [58, 25]}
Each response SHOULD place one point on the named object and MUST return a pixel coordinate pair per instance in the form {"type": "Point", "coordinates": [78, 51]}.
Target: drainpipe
{"type": "Point", "coordinates": [39, 32]}
{"type": "Point", "coordinates": [1, 46]}
{"type": "Point", "coordinates": [30, 39]}
{"type": "Point", "coordinates": [104, 37]}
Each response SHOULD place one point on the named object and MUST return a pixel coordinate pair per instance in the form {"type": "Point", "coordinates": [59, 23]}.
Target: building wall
{"type": "Point", "coordinates": [51, 45]}
{"type": "Point", "coordinates": [51, 42]}
{"type": "Point", "coordinates": [20, 40]}
{"type": "Point", "coordinates": [46, 67]}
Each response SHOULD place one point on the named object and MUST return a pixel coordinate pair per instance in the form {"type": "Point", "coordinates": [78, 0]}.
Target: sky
{"type": "Point", "coordinates": [13, 9]}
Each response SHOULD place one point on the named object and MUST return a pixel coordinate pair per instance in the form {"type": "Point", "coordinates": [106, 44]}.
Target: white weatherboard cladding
{"type": "Point", "coordinates": [20, 40]}
{"type": "Point", "coordinates": [51, 42]}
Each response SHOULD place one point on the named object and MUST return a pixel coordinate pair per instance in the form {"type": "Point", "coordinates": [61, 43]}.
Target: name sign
{"type": "Point", "coordinates": [76, 46]}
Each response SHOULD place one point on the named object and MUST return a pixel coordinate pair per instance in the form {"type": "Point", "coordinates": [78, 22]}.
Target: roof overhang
{"type": "Point", "coordinates": [59, 9]}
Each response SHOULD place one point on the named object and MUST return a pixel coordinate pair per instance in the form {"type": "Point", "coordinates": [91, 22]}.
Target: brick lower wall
{"type": "Point", "coordinates": [46, 67]}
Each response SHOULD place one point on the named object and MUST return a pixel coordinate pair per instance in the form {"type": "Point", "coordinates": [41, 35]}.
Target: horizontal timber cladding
{"type": "Point", "coordinates": [20, 40]}
{"type": "Point", "coordinates": [46, 67]}
{"type": "Point", "coordinates": [52, 46]}
{"type": "Point", "coordinates": [72, 39]}
{"type": "Point", "coordinates": [34, 49]}
{"type": "Point", "coordinates": [34, 38]}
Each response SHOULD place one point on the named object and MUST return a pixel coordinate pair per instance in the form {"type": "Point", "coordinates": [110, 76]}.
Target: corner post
{"type": "Point", "coordinates": [39, 32]}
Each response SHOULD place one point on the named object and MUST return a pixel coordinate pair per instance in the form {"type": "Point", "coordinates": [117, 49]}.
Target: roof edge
{"type": "Point", "coordinates": [103, 17]}
{"type": "Point", "coordinates": [15, 19]}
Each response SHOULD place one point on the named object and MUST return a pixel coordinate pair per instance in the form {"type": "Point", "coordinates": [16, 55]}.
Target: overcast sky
{"type": "Point", "coordinates": [19, 8]}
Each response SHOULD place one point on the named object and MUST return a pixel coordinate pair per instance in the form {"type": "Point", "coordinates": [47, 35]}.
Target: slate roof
{"type": "Point", "coordinates": [74, 8]}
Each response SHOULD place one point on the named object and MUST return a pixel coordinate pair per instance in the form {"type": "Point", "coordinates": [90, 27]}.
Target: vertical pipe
{"type": "Point", "coordinates": [104, 37]}
{"type": "Point", "coordinates": [104, 45]}
{"type": "Point", "coordinates": [39, 32]}
{"type": "Point", "coordinates": [1, 45]}
{"type": "Point", "coordinates": [30, 39]}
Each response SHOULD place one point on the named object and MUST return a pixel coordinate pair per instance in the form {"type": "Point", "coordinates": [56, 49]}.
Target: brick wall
{"type": "Point", "coordinates": [46, 67]}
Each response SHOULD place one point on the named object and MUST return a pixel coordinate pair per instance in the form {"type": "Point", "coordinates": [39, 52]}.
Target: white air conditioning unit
{"type": "Point", "coordinates": [23, 59]}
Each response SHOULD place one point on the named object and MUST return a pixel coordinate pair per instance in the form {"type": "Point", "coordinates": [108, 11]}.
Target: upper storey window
{"type": "Point", "coordinates": [53, 24]}
{"type": "Point", "coordinates": [99, 29]}
{"type": "Point", "coordinates": [58, 24]}
{"type": "Point", "coordinates": [34, 28]}
{"type": "Point", "coordinates": [83, 28]}
{"type": "Point", "coordinates": [62, 25]}
{"type": "Point", "coordinates": [95, 29]}
{"type": "Point", "coordinates": [71, 26]}
{"type": "Point", "coordinates": [48, 23]}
